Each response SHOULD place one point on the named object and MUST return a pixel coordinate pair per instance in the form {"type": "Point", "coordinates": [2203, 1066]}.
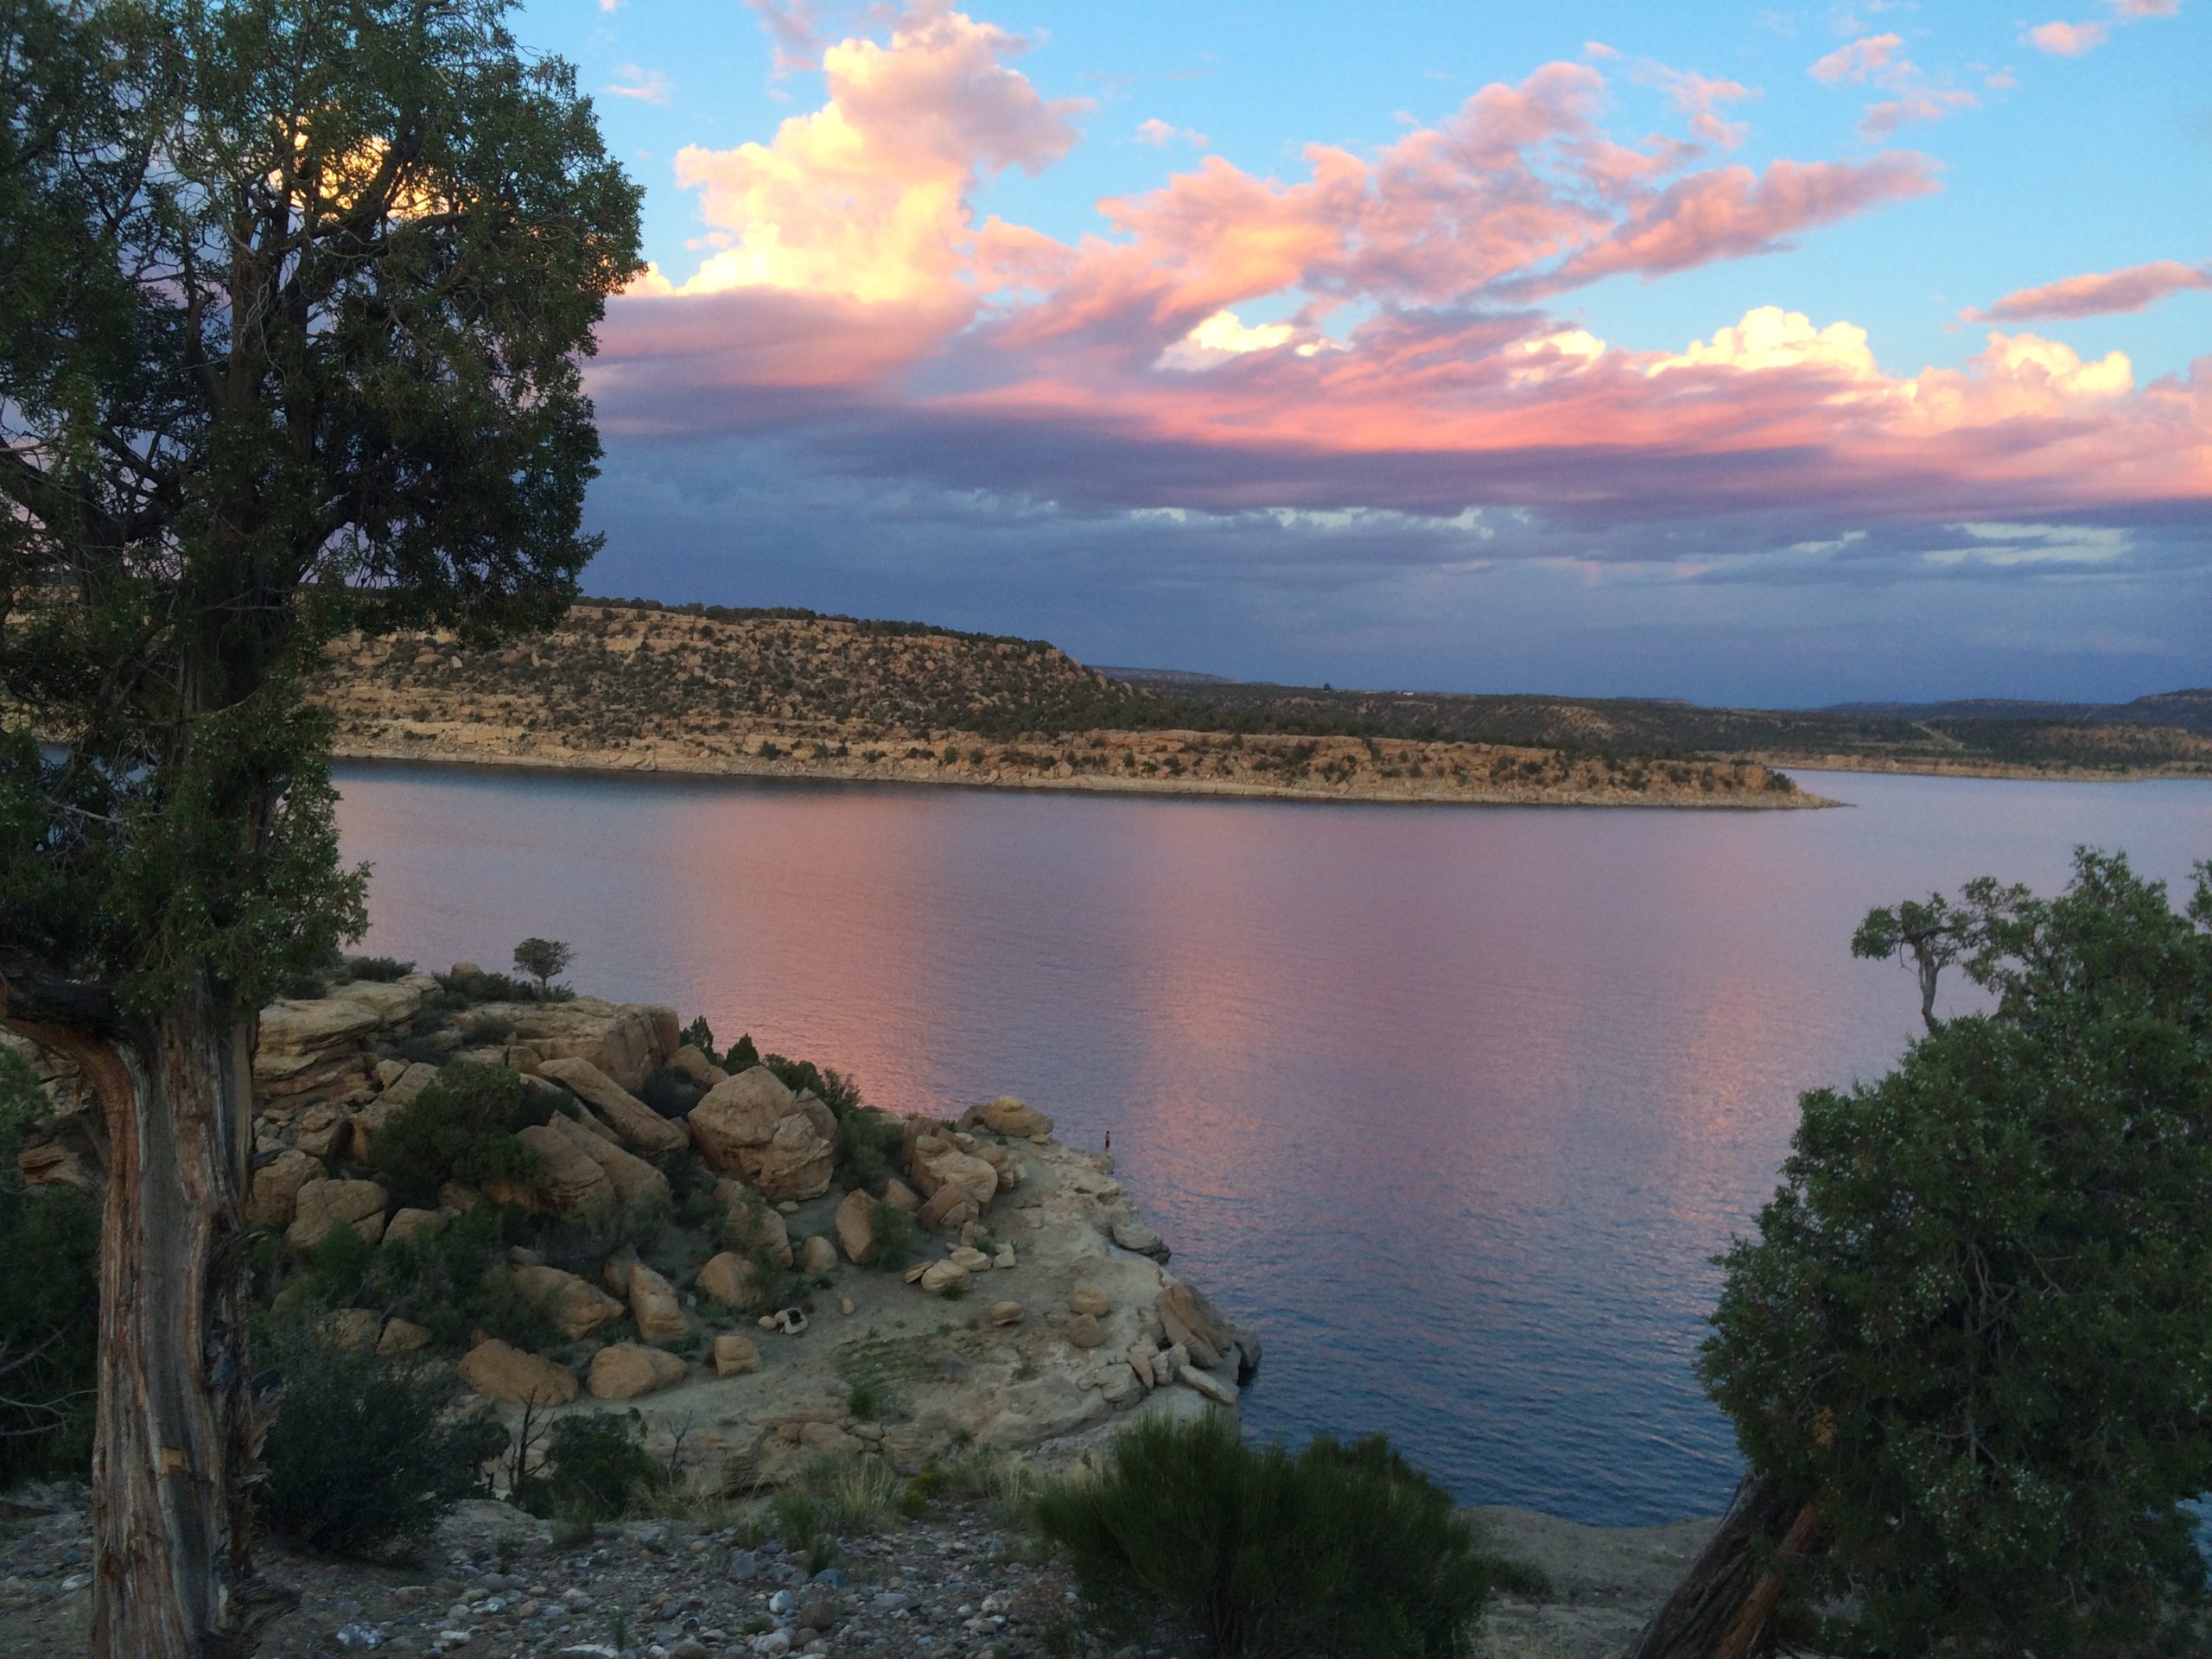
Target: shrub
{"type": "Point", "coordinates": [838, 1091]}
{"type": "Point", "coordinates": [743, 1057]}
{"type": "Point", "coordinates": [671, 1093]}
{"type": "Point", "coordinates": [867, 1143]}
{"type": "Point", "coordinates": [1343, 1550]}
{"type": "Point", "coordinates": [49, 1303]}
{"type": "Point", "coordinates": [462, 1128]}
{"type": "Point", "coordinates": [895, 1236]}
{"type": "Point", "coordinates": [378, 967]}
{"type": "Point", "coordinates": [454, 1283]}
{"type": "Point", "coordinates": [1972, 1324]}
{"type": "Point", "coordinates": [545, 960]}
{"type": "Point", "coordinates": [596, 1468]}
{"type": "Point", "coordinates": [361, 1454]}
{"type": "Point", "coordinates": [700, 1035]}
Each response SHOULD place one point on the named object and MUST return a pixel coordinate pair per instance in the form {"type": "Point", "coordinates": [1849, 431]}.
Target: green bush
{"type": "Point", "coordinates": [868, 1145]}
{"type": "Point", "coordinates": [462, 1128]}
{"type": "Point", "coordinates": [1346, 1551]}
{"type": "Point", "coordinates": [837, 1090]}
{"type": "Point", "coordinates": [1971, 1326]}
{"type": "Point", "coordinates": [596, 1468]}
{"type": "Point", "coordinates": [455, 1283]}
{"type": "Point", "coordinates": [895, 1238]}
{"type": "Point", "coordinates": [741, 1057]}
{"type": "Point", "coordinates": [378, 967]}
{"type": "Point", "coordinates": [361, 1454]}
{"type": "Point", "coordinates": [670, 1092]}
{"type": "Point", "coordinates": [49, 1303]}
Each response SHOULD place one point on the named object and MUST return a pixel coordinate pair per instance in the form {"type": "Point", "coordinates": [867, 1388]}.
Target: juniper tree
{"type": "Point", "coordinates": [1969, 1339]}
{"type": "Point", "coordinates": [296, 292]}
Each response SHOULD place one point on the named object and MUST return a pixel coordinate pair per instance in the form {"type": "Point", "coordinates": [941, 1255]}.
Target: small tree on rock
{"type": "Point", "coordinates": [545, 960]}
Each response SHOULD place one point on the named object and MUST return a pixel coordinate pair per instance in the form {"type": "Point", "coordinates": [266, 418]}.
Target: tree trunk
{"type": "Point", "coordinates": [1725, 1606]}
{"type": "Point", "coordinates": [177, 1430]}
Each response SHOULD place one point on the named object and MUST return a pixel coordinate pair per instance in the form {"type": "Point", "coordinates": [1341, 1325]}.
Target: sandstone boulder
{"type": "Point", "coordinates": [410, 1225]}
{"type": "Point", "coordinates": [733, 1282]}
{"type": "Point", "coordinates": [1008, 1117]}
{"type": "Point", "coordinates": [512, 1375]}
{"type": "Point", "coordinates": [624, 1042]}
{"type": "Point", "coordinates": [576, 1307]}
{"type": "Point", "coordinates": [898, 1193]}
{"type": "Point", "coordinates": [936, 1160]}
{"type": "Point", "coordinates": [319, 1130]}
{"type": "Point", "coordinates": [1212, 1342]}
{"type": "Point", "coordinates": [568, 1179]}
{"type": "Point", "coordinates": [627, 1371]}
{"type": "Point", "coordinates": [642, 1128]}
{"type": "Point", "coordinates": [653, 1303]}
{"type": "Point", "coordinates": [353, 1329]}
{"type": "Point", "coordinates": [734, 1355]}
{"type": "Point", "coordinates": [781, 1144]}
{"type": "Point", "coordinates": [969, 1258]}
{"type": "Point", "coordinates": [696, 1066]}
{"type": "Point", "coordinates": [633, 1180]}
{"type": "Point", "coordinates": [750, 1225]}
{"type": "Point", "coordinates": [1087, 1300]}
{"type": "Point", "coordinates": [1209, 1385]}
{"type": "Point", "coordinates": [1085, 1332]}
{"type": "Point", "coordinates": [1005, 1312]}
{"type": "Point", "coordinates": [818, 1254]}
{"type": "Point", "coordinates": [276, 1186]}
{"type": "Point", "coordinates": [937, 1277]}
{"type": "Point", "coordinates": [1133, 1235]}
{"type": "Point", "coordinates": [320, 1205]}
{"type": "Point", "coordinates": [948, 1210]}
{"type": "Point", "coordinates": [403, 1336]}
{"type": "Point", "coordinates": [855, 1225]}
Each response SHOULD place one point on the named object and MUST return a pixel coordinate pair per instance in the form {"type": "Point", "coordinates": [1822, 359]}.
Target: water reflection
{"type": "Point", "coordinates": [1455, 1104]}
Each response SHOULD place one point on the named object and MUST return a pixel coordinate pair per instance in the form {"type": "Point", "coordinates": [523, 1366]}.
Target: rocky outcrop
{"type": "Point", "coordinates": [320, 1047]}
{"type": "Point", "coordinates": [626, 1372]}
{"type": "Point", "coordinates": [782, 1145]}
{"type": "Point", "coordinates": [1008, 1117]}
{"type": "Point", "coordinates": [514, 1376]}
{"type": "Point", "coordinates": [632, 1180]}
{"type": "Point", "coordinates": [1213, 1344]}
{"type": "Point", "coordinates": [276, 1186]}
{"type": "Point", "coordinates": [567, 1179]}
{"type": "Point", "coordinates": [640, 1128]}
{"type": "Point", "coordinates": [322, 1204]}
{"type": "Point", "coordinates": [576, 1307]}
{"type": "Point", "coordinates": [750, 1225]}
{"type": "Point", "coordinates": [698, 1067]}
{"type": "Point", "coordinates": [627, 1042]}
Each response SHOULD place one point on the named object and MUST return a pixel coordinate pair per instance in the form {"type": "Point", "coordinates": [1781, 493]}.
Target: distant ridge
{"type": "Point", "coordinates": [2189, 710]}
{"type": "Point", "coordinates": [1160, 676]}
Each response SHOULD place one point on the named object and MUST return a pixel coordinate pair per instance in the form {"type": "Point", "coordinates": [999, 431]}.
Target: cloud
{"type": "Point", "coordinates": [647, 85]}
{"type": "Point", "coordinates": [1878, 58]}
{"type": "Point", "coordinates": [2095, 293]}
{"type": "Point", "coordinates": [2132, 8]}
{"type": "Point", "coordinates": [794, 35]}
{"type": "Point", "coordinates": [1158, 134]}
{"type": "Point", "coordinates": [2067, 40]}
{"type": "Point", "coordinates": [1857, 61]}
{"type": "Point", "coordinates": [1700, 97]}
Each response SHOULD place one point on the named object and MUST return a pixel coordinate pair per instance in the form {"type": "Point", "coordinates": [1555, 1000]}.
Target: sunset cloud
{"type": "Point", "coordinates": [1858, 61]}
{"type": "Point", "coordinates": [647, 85]}
{"type": "Point", "coordinates": [2096, 293]}
{"type": "Point", "coordinates": [2067, 40]}
{"type": "Point", "coordinates": [1161, 134]}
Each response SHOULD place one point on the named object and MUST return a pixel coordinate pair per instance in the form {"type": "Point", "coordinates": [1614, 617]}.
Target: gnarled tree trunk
{"type": "Point", "coordinates": [1725, 1606]}
{"type": "Point", "coordinates": [172, 1528]}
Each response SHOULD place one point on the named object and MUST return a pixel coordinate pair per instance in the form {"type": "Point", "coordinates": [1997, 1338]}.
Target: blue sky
{"type": "Point", "coordinates": [1052, 319]}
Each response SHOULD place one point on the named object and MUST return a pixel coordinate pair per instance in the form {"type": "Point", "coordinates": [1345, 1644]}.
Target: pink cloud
{"type": "Point", "coordinates": [1914, 104]}
{"type": "Point", "coordinates": [2067, 40]}
{"type": "Point", "coordinates": [2145, 8]}
{"type": "Point", "coordinates": [2096, 293]}
{"type": "Point", "coordinates": [1860, 60]}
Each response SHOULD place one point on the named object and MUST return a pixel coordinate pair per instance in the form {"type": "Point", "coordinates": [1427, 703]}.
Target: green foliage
{"type": "Point", "coordinates": [338, 1271]}
{"type": "Point", "coordinates": [363, 1453]}
{"type": "Point", "coordinates": [868, 1147]}
{"type": "Point", "coordinates": [461, 1127]}
{"type": "Point", "coordinates": [545, 960]}
{"type": "Point", "coordinates": [670, 1092]}
{"type": "Point", "coordinates": [700, 1035]}
{"type": "Point", "coordinates": [460, 990]}
{"type": "Point", "coordinates": [455, 1283]}
{"type": "Point", "coordinates": [1342, 1550]}
{"type": "Point", "coordinates": [49, 1303]}
{"type": "Point", "coordinates": [836, 1092]}
{"type": "Point", "coordinates": [596, 1468]}
{"type": "Point", "coordinates": [895, 1238]}
{"type": "Point", "coordinates": [1973, 1320]}
{"type": "Point", "coordinates": [377, 968]}
{"type": "Point", "coordinates": [742, 1057]}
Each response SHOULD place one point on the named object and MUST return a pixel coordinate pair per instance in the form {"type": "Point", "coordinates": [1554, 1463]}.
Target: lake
{"type": "Point", "coordinates": [1453, 1104]}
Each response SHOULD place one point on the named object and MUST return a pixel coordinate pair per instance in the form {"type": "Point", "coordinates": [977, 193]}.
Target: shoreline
{"type": "Point", "coordinates": [610, 763]}
{"type": "Point", "coordinates": [2016, 770]}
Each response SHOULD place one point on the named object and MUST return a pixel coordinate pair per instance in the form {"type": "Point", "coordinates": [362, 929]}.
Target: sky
{"type": "Point", "coordinates": [1756, 354]}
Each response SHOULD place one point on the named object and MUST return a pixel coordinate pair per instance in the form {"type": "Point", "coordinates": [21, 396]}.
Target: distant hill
{"type": "Point", "coordinates": [1161, 676]}
{"type": "Point", "coordinates": [2190, 711]}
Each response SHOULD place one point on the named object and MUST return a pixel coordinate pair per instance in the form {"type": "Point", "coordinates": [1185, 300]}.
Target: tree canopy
{"type": "Point", "coordinates": [1975, 1325]}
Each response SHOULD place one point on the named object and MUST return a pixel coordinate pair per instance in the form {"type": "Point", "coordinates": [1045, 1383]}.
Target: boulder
{"type": "Point", "coordinates": [1133, 1235]}
{"type": "Point", "coordinates": [936, 1160]}
{"type": "Point", "coordinates": [898, 1193]}
{"type": "Point", "coordinates": [855, 1225]}
{"type": "Point", "coordinates": [320, 1205]}
{"type": "Point", "coordinates": [627, 1371]}
{"type": "Point", "coordinates": [948, 1210]}
{"type": "Point", "coordinates": [624, 1042]}
{"type": "Point", "coordinates": [1212, 1342]}
{"type": "Point", "coordinates": [732, 1281]}
{"type": "Point", "coordinates": [653, 1303]}
{"type": "Point", "coordinates": [937, 1277]}
{"type": "Point", "coordinates": [1003, 1258]}
{"type": "Point", "coordinates": [353, 1329]}
{"type": "Point", "coordinates": [1209, 1385]}
{"type": "Point", "coordinates": [1085, 1332]}
{"type": "Point", "coordinates": [1087, 1300]}
{"type": "Point", "coordinates": [750, 1225]}
{"type": "Point", "coordinates": [969, 1258]}
{"type": "Point", "coordinates": [1005, 1312]}
{"type": "Point", "coordinates": [403, 1336]}
{"type": "Point", "coordinates": [818, 1254]}
{"type": "Point", "coordinates": [513, 1376]}
{"type": "Point", "coordinates": [568, 1179]}
{"type": "Point", "coordinates": [576, 1307]}
{"type": "Point", "coordinates": [694, 1064]}
{"type": "Point", "coordinates": [318, 1130]}
{"type": "Point", "coordinates": [412, 1080]}
{"type": "Point", "coordinates": [276, 1186]}
{"type": "Point", "coordinates": [752, 1127]}
{"type": "Point", "coordinates": [642, 1128]}
{"type": "Point", "coordinates": [406, 1226]}
{"type": "Point", "coordinates": [634, 1180]}
{"type": "Point", "coordinates": [1008, 1117]}
{"type": "Point", "coordinates": [734, 1355]}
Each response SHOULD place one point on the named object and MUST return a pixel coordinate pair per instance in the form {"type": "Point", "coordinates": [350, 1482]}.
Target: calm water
{"type": "Point", "coordinates": [1454, 1104]}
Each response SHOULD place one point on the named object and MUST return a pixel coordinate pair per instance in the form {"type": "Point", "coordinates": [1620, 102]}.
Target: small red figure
{"type": "Point", "coordinates": [1109, 1140]}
